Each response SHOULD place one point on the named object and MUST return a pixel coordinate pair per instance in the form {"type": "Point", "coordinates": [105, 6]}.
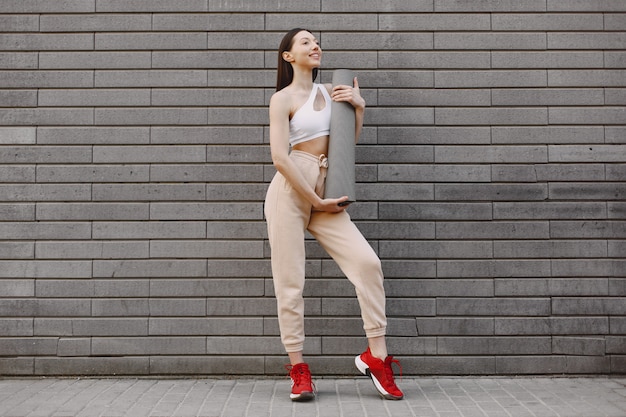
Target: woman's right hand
{"type": "Point", "coordinates": [331, 205]}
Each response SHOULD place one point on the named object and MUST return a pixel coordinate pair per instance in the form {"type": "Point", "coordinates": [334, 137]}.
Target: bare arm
{"type": "Point", "coordinates": [279, 146]}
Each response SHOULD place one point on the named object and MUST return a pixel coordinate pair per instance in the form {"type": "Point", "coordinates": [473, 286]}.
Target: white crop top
{"type": "Point", "coordinates": [308, 123]}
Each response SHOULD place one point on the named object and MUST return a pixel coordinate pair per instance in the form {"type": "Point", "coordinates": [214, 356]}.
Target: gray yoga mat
{"type": "Point", "coordinates": [340, 179]}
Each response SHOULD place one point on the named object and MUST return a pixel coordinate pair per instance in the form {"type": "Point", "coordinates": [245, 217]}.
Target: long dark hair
{"type": "Point", "coordinates": [284, 76]}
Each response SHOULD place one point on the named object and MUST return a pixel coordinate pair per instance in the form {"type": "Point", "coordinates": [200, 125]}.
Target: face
{"type": "Point", "coordinates": [305, 50]}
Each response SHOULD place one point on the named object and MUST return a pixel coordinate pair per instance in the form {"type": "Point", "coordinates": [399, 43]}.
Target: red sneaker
{"type": "Point", "coordinates": [302, 388]}
{"type": "Point", "coordinates": [381, 374]}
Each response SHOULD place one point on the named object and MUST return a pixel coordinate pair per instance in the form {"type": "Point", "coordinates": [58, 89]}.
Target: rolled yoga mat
{"type": "Point", "coordinates": [340, 179]}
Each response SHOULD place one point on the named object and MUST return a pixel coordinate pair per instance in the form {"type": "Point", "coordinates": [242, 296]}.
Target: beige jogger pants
{"type": "Point", "coordinates": [288, 216]}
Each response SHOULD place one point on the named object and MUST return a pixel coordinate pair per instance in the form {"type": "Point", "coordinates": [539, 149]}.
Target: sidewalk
{"type": "Point", "coordinates": [424, 397]}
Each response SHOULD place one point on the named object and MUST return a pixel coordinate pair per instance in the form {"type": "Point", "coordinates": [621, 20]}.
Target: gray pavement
{"type": "Point", "coordinates": [424, 397]}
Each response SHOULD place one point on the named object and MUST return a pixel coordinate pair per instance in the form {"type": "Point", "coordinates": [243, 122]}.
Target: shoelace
{"type": "Point", "coordinates": [388, 371]}
{"type": "Point", "coordinates": [297, 373]}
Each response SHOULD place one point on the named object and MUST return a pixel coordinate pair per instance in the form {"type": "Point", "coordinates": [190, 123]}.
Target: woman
{"type": "Point", "coordinates": [300, 120]}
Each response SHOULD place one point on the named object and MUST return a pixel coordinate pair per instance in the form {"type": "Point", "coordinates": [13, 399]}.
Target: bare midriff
{"type": "Point", "coordinates": [317, 146]}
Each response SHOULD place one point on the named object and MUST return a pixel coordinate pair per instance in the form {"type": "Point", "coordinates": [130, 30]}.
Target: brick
{"type": "Point", "coordinates": [614, 21]}
{"type": "Point", "coordinates": [18, 98]}
{"type": "Point", "coordinates": [549, 210]}
{"type": "Point", "coordinates": [397, 345]}
{"type": "Point", "coordinates": [490, 41]}
{"type": "Point", "coordinates": [490, 116]}
{"type": "Point", "coordinates": [433, 135]}
{"type": "Point", "coordinates": [18, 173]}
{"type": "Point", "coordinates": [615, 134]}
{"type": "Point", "coordinates": [256, 346]}
{"type": "Point", "coordinates": [148, 154]}
{"type": "Point", "coordinates": [42, 6]}
{"type": "Point", "coordinates": [614, 59]}
{"type": "Point", "coordinates": [547, 22]}
{"type": "Point", "coordinates": [393, 154]}
{"type": "Point", "coordinates": [231, 135]}
{"type": "Point", "coordinates": [439, 326]}
{"type": "Point", "coordinates": [491, 192]}
{"type": "Point", "coordinates": [92, 211]}
{"type": "Point", "coordinates": [45, 230]}
{"type": "Point", "coordinates": [206, 249]}
{"type": "Point", "coordinates": [396, 192]}
{"type": "Point", "coordinates": [553, 59]}
{"type": "Point", "coordinates": [148, 346]}
{"type": "Point", "coordinates": [587, 191]}
{"type": "Point", "coordinates": [586, 78]}
{"type": "Point", "coordinates": [588, 229]}
{"type": "Point", "coordinates": [124, 307]}
{"type": "Point", "coordinates": [493, 306]}
{"type": "Point", "coordinates": [547, 97]}
{"type": "Point", "coordinates": [19, 23]}
{"type": "Point", "coordinates": [589, 268]}
{"type": "Point", "coordinates": [582, 40]}
{"type": "Point", "coordinates": [581, 5]}
{"type": "Point", "coordinates": [396, 307]}
{"type": "Point", "coordinates": [159, 116]}
{"type": "Point", "coordinates": [492, 230]}
{"type": "Point", "coordinates": [576, 115]}
{"type": "Point", "coordinates": [617, 325]}
{"type": "Point", "coordinates": [45, 192]}
{"type": "Point", "coordinates": [434, 211]}
{"type": "Point", "coordinates": [74, 347]}
{"type": "Point", "coordinates": [46, 116]}
{"type": "Point", "coordinates": [207, 365]}
{"type": "Point", "coordinates": [433, 173]}
{"type": "Point", "coordinates": [580, 153]}
{"type": "Point", "coordinates": [91, 250]}
{"type": "Point", "coordinates": [149, 268]}
{"type": "Point", "coordinates": [93, 135]}
{"type": "Point", "coordinates": [241, 287]}
{"type": "Point", "coordinates": [149, 230]}
{"type": "Point", "coordinates": [121, 288]}
{"type": "Point", "coordinates": [28, 347]}
{"type": "Point", "coordinates": [95, 98]}
{"type": "Point", "coordinates": [22, 307]}
{"type": "Point", "coordinates": [435, 249]}
{"type": "Point", "coordinates": [45, 269]}
{"type": "Point", "coordinates": [206, 211]}
{"type": "Point", "coordinates": [516, 365]}
{"type": "Point", "coordinates": [207, 97]}
{"type": "Point", "coordinates": [17, 212]}
{"type": "Point", "coordinates": [64, 288]}
{"type": "Point", "coordinates": [497, 268]}
{"type": "Point", "coordinates": [417, 97]}
{"type": "Point", "coordinates": [17, 135]}
{"type": "Point", "coordinates": [46, 42]}
{"type": "Point", "coordinates": [435, 22]}
{"type": "Point", "coordinates": [551, 249]}
{"type": "Point", "coordinates": [490, 6]}
{"type": "Point", "coordinates": [150, 78]}
{"type": "Point", "coordinates": [17, 288]}
{"type": "Point", "coordinates": [552, 326]}
{"type": "Point", "coordinates": [92, 366]}
{"type": "Point", "coordinates": [615, 96]}
{"type": "Point", "coordinates": [191, 326]}
{"type": "Point", "coordinates": [18, 60]}
{"type": "Point", "coordinates": [491, 154]}
{"type": "Point", "coordinates": [254, 307]}
{"type": "Point", "coordinates": [587, 306]}
{"type": "Point", "coordinates": [494, 345]}
{"type": "Point", "coordinates": [239, 192]}
{"type": "Point", "coordinates": [17, 250]}
{"type": "Point", "coordinates": [96, 23]}
{"type": "Point", "coordinates": [323, 22]}
{"type": "Point", "coordinates": [150, 6]}
{"type": "Point", "coordinates": [376, 6]}
{"type": "Point", "coordinates": [491, 79]}
{"type": "Point", "coordinates": [109, 326]}
{"type": "Point", "coordinates": [92, 173]}
{"type": "Point", "coordinates": [209, 22]}
{"type": "Point", "coordinates": [552, 287]}
{"type": "Point", "coordinates": [616, 249]}
{"type": "Point", "coordinates": [579, 346]}
{"type": "Point", "coordinates": [16, 327]}
{"type": "Point", "coordinates": [42, 154]}
{"type": "Point", "coordinates": [212, 173]}
{"type": "Point", "coordinates": [47, 79]}
{"type": "Point", "coordinates": [147, 192]}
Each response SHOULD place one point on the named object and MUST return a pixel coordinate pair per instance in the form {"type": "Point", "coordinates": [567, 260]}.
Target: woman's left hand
{"type": "Point", "coordinates": [349, 94]}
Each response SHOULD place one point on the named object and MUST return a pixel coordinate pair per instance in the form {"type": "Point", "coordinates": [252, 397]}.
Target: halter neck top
{"type": "Point", "coordinates": [308, 123]}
